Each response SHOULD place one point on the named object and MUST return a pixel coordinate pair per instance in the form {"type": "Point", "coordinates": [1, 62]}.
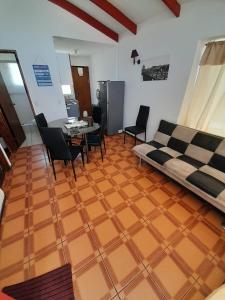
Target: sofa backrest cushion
{"type": "Point", "coordinates": [166, 127]}
{"type": "Point", "coordinates": [177, 145]}
{"type": "Point", "coordinates": [206, 141]}
{"type": "Point", "coordinates": [204, 147]}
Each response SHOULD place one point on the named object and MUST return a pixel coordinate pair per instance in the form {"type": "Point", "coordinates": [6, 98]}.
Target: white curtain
{"type": "Point", "coordinates": [205, 110]}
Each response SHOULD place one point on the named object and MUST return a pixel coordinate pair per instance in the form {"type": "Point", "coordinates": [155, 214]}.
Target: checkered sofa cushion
{"type": "Point", "coordinates": [195, 157]}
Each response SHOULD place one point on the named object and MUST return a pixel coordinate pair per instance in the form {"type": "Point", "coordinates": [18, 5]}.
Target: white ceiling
{"type": "Point", "coordinates": [138, 10]}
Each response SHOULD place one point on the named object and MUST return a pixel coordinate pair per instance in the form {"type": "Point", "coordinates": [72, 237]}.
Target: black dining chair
{"type": "Point", "coordinates": [96, 114]}
{"type": "Point", "coordinates": [59, 149]}
{"type": "Point", "coordinates": [41, 121]}
{"type": "Point", "coordinates": [98, 117]}
{"type": "Point", "coordinates": [96, 140]}
{"type": "Point", "coordinates": [141, 123]}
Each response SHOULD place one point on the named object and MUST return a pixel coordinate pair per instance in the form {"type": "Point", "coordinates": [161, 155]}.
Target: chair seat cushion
{"type": "Point", "coordinates": [134, 130]}
{"type": "Point", "coordinates": [97, 131]}
{"type": "Point", "coordinates": [75, 150]}
{"type": "Point", "coordinates": [93, 139]}
{"type": "Point", "coordinates": [207, 183]}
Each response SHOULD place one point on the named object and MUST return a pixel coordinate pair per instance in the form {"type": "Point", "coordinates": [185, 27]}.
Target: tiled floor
{"type": "Point", "coordinates": [129, 232]}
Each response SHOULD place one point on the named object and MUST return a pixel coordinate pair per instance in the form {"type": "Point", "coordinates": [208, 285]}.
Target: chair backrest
{"type": "Point", "coordinates": [142, 117]}
{"type": "Point", "coordinates": [97, 114]}
{"type": "Point", "coordinates": [41, 121]}
{"type": "Point", "coordinates": [55, 141]}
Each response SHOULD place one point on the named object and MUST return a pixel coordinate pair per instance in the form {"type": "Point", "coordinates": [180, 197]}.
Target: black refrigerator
{"type": "Point", "coordinates": [110, 95]}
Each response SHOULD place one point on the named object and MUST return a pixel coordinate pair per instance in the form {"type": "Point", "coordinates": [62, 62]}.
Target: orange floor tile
{"type": "Point", "coordinates": [128, 231]}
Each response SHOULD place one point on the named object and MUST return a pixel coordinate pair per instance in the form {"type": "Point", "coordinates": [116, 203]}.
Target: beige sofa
{"type": "Point", "coordinates": [193, 158]}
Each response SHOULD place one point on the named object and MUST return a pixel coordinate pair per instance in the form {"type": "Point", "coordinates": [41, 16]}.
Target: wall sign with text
{"type": "Point", "coordinates": [42, 75]}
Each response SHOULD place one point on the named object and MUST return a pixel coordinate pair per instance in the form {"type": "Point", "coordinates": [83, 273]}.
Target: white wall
{"type": "Point", "coordinates": [64, 69]}
{"type": "Point", "coordinates": [28, 28]}
{"type": "Point", "coordinates": [176, 37]}
{"type": "Point", "coordinates": [30, 25]}
{"type": "Point", "coordinates": [104, 66]}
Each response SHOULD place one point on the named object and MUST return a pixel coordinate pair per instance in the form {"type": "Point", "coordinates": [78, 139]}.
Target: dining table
{"type": "Point", "coordinates": [71, 129]}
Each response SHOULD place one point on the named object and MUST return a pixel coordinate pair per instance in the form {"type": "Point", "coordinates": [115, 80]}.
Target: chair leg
{"type": "Point", "coordinates": [101, 151]}
{"type": "Point", "coordinates": [53, 168]}
{"type": "Point", "coordinates": [124, 137]}
{"type": "Point", "coordinates": [74, 174]}
{"type": "Point", "coordinates": [49, 159]}
{"type": "Point", "coordinates": [135, 140]}
{"type": "Point", "coordinates": [104, 144]}
{"type": "Point", "coordinates": [145, 136]}
{"type": "Point", "coordinates": [70, 142]}
{"type": "Point", "coordinates": [82, 156]}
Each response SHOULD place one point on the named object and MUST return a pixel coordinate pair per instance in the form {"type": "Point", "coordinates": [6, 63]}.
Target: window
{"type": "Point", "coordinates": [205, 110]}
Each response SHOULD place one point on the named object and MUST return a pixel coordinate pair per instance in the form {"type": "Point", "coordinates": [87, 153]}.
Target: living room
{"type": "Point", "coordinates": [127, 230]}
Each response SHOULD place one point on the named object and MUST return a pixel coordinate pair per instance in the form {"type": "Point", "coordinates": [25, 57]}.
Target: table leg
{"type": "Point", "coordinates": [86, 145]}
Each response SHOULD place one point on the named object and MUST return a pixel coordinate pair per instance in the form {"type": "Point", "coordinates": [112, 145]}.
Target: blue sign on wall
{"type": "Point", "coordinates": [42, 75]}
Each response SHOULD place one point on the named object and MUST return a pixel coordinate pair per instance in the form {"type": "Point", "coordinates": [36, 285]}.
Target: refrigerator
{"type": "Point", "coordinates": [72, 107]}
{"type": "Point", "coordinates": [110, 95]}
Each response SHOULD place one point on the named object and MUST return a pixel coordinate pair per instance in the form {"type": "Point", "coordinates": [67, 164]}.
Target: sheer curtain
{"type": "Point", "coordinates": [205, 110]}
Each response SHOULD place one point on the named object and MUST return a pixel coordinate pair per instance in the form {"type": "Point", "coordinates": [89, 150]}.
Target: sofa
{"type": "Point", "coordinates": [193, 158]}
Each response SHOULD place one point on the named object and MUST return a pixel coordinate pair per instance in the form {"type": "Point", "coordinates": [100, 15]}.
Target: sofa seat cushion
{"type": "Point", "coordinates": [213, 172]}
{"type": "Point", "coordinates": [163, 154]}
{"type": "Point", "coordinates": [207, 183]}
{"type": "Point", "coordinates": [155, 144]}
{"type": "Point", "coordinates": [191, 161]}
{"type": "Point", "coordinates": [180, 168]}
{"type": "Point", "coordinates": [143, 149]}
{"type": "Point", "coordinates": [170, 151]}
{"type": "Point", "coordinates": [159, 156]}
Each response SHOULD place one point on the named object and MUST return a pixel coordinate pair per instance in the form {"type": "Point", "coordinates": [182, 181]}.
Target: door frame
{"type": "Point", "coordinates": [23, 78]}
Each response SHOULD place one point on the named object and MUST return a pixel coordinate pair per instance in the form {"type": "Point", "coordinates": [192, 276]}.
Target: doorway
{"type": "Point", "coordinates": [81, 84]}
{"type": "Point", "coordinates": [17, 112]}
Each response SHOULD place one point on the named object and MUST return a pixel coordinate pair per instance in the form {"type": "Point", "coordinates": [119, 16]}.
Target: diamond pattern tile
{"type": "Point", "coordinates": [121, 263]}
{"type": "Point", "coordinates": [128, 231]}
{"type": "Point", "coordinates": [94, 276]}
{"type": "Point", "coordinates": [141, 286]}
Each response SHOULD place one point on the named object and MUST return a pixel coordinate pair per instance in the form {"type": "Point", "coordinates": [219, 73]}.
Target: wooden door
{"type": "Point", "coordinates": [10, 114]}
{"type": "Point", "coordinates": [82, 88]}
{"type": "Point", "coordinates": [6, 133]}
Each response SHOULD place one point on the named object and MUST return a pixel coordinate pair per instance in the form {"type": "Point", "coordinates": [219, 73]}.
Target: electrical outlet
{"type": "Point", "coordinates": [120, 131]}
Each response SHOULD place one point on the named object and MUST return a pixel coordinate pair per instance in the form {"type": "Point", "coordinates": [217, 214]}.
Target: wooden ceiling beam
{"type": "Point", "coordinates": [174, 6]}
{"type": "Point", "coordinates": [76, 11]}
{"type": "Point", "coordinates": [116, 14]}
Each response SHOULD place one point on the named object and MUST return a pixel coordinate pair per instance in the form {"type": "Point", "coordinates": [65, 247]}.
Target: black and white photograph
{"type": "Point", "coordinates": [159, 72]}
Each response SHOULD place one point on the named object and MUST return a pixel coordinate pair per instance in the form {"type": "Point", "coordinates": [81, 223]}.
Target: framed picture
{"type": "Point", "coordinates": [155, 68]}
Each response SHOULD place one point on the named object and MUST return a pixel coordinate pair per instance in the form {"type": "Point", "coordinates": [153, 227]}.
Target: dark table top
{"type": "Point", "coordinates": [72, 131]}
